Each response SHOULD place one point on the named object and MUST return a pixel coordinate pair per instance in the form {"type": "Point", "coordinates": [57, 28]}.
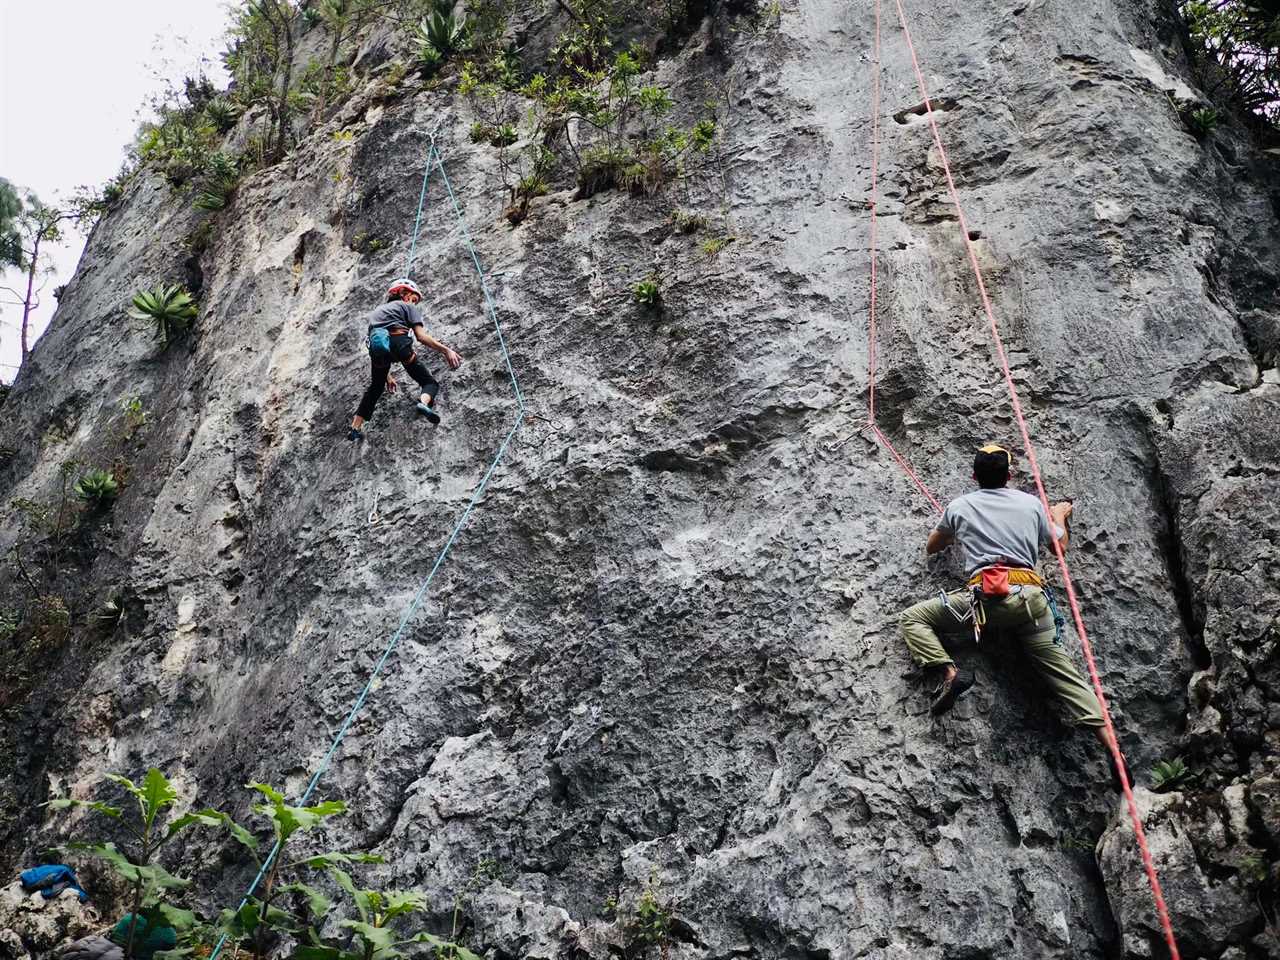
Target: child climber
{"type": "Point", "coordinates": [392, 329]}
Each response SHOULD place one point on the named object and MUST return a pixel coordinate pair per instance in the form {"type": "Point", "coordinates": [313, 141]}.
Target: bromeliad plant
{"type": "Point", "coordinates": [169, 307]}
{"type": "Point", "coordinates": [439, 35]}
{"type": "Point", "coordinates": [98, 488]}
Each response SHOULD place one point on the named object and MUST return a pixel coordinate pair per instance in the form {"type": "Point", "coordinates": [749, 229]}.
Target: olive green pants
{"type": "Point", "coordinates": [1025, 619]}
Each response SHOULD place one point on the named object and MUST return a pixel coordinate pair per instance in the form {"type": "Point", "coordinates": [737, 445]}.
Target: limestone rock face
{"type": "Point", "coordinates": [31, 926]}
{"type": "Point", "coordinates": [663, 653]}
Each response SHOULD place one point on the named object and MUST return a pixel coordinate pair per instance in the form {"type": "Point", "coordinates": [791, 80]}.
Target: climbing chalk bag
{"type": "Point", "coordinates": [380, 344]}
{"type": "Point", "coordinates": [995, 581]}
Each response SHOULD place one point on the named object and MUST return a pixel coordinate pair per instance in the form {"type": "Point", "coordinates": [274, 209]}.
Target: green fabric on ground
{"type": "Point", "coordinates": [145, 942]}
{"type": "Point", "coordinates": [1023, 617]}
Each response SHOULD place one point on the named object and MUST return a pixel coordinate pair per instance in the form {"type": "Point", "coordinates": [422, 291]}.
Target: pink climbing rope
{"type": "Point", "coordinates": [1162, 911]}
{"type": "Point", "coordinates": [871, 321]}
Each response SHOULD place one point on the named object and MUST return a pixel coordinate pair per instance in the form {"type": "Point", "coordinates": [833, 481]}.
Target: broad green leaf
{"type": "Point", "coordinates": [118, 861]}
{"type": "Point", "coordinates": [176, 917]}
{"type": "Point", "coordinates": [288, 819]}
{"type": "Point", "coordinates": [400, 902]}
{"type": "Point", "coordinates": [442, 945]}
{"type": "Point", "coordinates": [187, 819]}
{"type": "Point", "coordinates": [317, 902]}
{"type": "Point", "coordinates": [323, 861]}
{"type": "Point", "coordinates": [381, 939]}
{"type": "Point", "coordinates": [63, 803]}
{"type": "Point", "coordinates": [211, 817]}
{"type": "Point", "coordinates": [343, 880]}
{"type": "Point", "coordinates": [268, 791]}
{"type": "Point", "coordinates": [248, 917]}
{"type": "Point", "coordinates": [157, 793]}
{"type": "Point", "coordinates": [327, 809]}
{"type": "Point", "coordinates": [161, 878]}
{"type": "Point", "coordinates": [125, 782]}
{"type": "Point", "coordinates": [178, 953]}
{"type": "Point", "coordinates": [279, 919]}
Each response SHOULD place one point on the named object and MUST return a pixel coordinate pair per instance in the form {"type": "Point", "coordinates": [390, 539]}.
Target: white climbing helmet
{"type": "Point", "coordinates": [403, 285]}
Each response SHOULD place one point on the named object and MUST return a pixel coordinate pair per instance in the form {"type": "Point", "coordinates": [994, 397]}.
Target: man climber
{"type": "Point", "coordinates": [393, 327]}
{"type": "Point", "coordinates": [1000, 531]}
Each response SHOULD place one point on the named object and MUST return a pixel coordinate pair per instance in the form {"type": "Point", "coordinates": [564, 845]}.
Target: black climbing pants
{"type": "Point", "coordinates": [402, 351]}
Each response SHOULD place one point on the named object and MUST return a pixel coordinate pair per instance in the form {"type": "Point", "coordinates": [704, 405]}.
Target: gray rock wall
{"type": "Point", "coordinates": [665, 650]}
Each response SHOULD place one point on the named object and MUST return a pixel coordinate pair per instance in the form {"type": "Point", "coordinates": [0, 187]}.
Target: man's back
{"type": "Point", "coordinates": [997, 525]}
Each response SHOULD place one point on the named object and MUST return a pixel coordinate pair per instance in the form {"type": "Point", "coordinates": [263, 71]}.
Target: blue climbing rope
{"type": "Point", "coordinates": [433, 154]}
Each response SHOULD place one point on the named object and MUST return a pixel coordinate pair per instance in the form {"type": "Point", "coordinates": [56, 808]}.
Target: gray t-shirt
{"type": "Point", "coordinates": [396, 313]}
{"type": "Point", "coordinates": [997, 526]}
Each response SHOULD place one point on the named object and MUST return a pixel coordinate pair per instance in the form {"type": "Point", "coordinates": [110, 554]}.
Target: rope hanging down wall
{"type": "Point", "coordinates": [1087, 648]}
{"type": "Point", "coordinates": [434, 158]}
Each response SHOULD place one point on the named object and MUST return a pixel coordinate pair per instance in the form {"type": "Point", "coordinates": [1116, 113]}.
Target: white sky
{"type": "Point", "coordinates": [74, 75]}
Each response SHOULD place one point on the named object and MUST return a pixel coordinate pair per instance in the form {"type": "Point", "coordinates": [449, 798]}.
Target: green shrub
{"type": "Point", "coordinates": [439, 35]}
{"type": "Point", "coordinates": [602, 167]}
{"type": "Point", "coordinates": [169, 307]}
{"type": "Point", "coordinates": [712, 246]}
{"type": "Point", "coordinates": [645, 923]}
{"type": "Point", "coordinates": [687, 221]}
{"type": "Point", "coordinates": [221, 113]}
{"type": "Point", "coordinates": [1254, 870]}
{"type": "Point", "coordinates": [98, 488]}
{"type": "Point", "coordinates": [648, 291]}
{"type": "Point", "coordinates": [1166, 775]}
{"type": "Point", "coordinates": [1202, 121]}
{"type": "Point", "coordinates": [284, 905]}
{"type": "Point", "coordinates": [222, 174]}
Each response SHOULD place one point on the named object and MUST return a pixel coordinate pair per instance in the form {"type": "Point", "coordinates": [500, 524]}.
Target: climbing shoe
{"type": "Point", "coordinates": [428, 412]}
{"type": "Point", "coordinates": [948, 692]}
{"type": "Point", "coordinates": [355, 435]}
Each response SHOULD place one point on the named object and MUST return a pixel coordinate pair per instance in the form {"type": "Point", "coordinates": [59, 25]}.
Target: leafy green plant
{"type": "Point", "coordinates": [149, 883]}
{"type": "Point", "coordinates": [221, 113]}
{"type": "Point", "coordinates": [97, 488]}
{"type": "Point", "coordinates": [9, 623]}
{"type": "Point", "coordinates": [648, 291]}
{"type": "Point", "coordinates": [712, 246]}
{"type": "Point", "coordinates": [1073, 843]}
{"type": "Point", "coordinates": [589, 112]}
{"type": "Point", "coordinates": [1254, 870]}
{"type": "Point", "coordinates": [222, 173]}
{"type": "Point", "coordinates": [645, 923]}
{"type": "Point", "coordinates": [603, 167]}
{"type": "Point", "coordinates": [169, 307]}
{"type": "Point", "coordinates": [687, 221]}
{"type": "Point", "coordinates": [1237, 55]}
{"type": "Point", "coordinates": [1167, 774]}
{"type": "Point", "coordinates": [439, 35]}
{"type": "Point", "coordinates": [1202, 121]}
{"type": "Point", "coordinates": [286, 906]}
{"type": "Point", "coordinates": [135, 416]}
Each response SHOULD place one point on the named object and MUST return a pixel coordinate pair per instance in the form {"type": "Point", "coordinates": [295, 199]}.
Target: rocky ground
{"type": "Point", "coordinates": [663, 654]}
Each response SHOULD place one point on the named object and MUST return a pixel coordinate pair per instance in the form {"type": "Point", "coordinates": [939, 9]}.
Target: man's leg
{"type": "Point", "coordinates": [1069, 685]}
{"type": "Point", "coordinates": [921, 625]}
{"type": "Point", "coordinates": [1062, 675]}
{"type": "Point", "coordinates": [377, 384]}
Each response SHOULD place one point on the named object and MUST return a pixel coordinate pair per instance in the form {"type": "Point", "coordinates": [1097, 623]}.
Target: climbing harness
{"type": "Point", "coordinates": [434, 159]}
{"type": "Point", "coordinates": [1162, 912]}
